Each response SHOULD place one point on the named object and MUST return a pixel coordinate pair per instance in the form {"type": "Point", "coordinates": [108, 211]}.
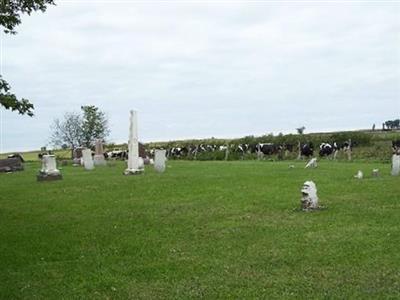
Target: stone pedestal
{"type": "Point", "coordinates": [133, 147]}
{"type": "Point", "coordinates": [159, 160]}
{"type": "Point", "coordinates": [87, 159]}
{"type": "Point", "coordinates": [395, 165]}
{"type": "Point", "coordinates": [49, 171]}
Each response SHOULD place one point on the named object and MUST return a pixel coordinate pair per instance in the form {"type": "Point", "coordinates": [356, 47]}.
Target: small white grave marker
{"type": "Point", "coordinates": [87, 159]}
{"type": "Point", "coordinates": [359, 175]}
{"type": "Point", "coordinates": [312, 163]}
{"type": "Point", "coordinates": [395, 165]}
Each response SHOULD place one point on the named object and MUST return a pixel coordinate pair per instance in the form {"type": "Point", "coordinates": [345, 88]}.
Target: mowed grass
{"type": "Point", "coordinates": [200, 230]}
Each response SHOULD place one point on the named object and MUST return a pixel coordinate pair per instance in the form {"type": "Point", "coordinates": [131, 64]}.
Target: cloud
{"type": "Point", "coordinates": [205, 69]}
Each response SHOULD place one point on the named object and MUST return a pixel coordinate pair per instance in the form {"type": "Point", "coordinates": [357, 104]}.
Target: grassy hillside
{"type": "Point", "coordinates": [368, 145]}
{"type": "Point", "coordinates": [201, 230]}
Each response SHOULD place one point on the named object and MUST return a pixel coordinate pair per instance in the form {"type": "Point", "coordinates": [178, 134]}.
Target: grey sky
{"type": "Point", "coordinates": [222, 69]}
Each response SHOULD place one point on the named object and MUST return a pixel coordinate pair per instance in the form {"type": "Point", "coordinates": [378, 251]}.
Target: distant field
{"type": "Point", "coordinates": [201, 230]}
{"type": "Point", "coordinates": [33, 155]}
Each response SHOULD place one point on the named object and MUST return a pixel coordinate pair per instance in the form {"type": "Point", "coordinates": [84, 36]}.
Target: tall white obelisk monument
{"type": "Point", "coordinates": [133, 147]}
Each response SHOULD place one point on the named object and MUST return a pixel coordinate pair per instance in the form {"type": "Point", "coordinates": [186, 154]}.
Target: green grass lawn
{"type": "Point", "coordinates": [201, 230]}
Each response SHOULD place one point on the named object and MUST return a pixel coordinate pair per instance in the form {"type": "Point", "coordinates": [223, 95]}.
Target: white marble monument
{"type": "Point", "coordinates": [159, 160]}
{"type": "Point", "coordinates": [133, 147]}
{"type": "Point", "coordinates": [99, 159]}
{"type": "Point", "coordinates": [87, 159]}
{"type": "Point", "coordinates": [395, 165]}
{"type": "Point", "coordinates": [309, 198]}
{"type": "Point", "coordinates": [49, 169]}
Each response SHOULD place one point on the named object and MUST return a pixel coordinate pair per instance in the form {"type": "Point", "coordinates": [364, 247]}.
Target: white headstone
{"type": "Point", "coordinates": [312, 163]}
{"type": "Point", "coordinates": [395, 165]}
{"type": "Point", "coordinates": [49, 165]}
{"type": "Point", "coordinates": [359, 175]}
{"type": "Point", "coordinates": [375, 173]}
{"type": "Point", "coordinates": [309, 198]}
{"type": "Point", "coordinates": [159, 160]}
{"type": "Point", "coordinates": [133, 147]}
{"type": "Point", "coordinates": [87, 159]}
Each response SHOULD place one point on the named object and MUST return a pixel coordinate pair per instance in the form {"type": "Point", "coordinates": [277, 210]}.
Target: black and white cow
{"type": "Point", "coordinates": [326, 149]}
{"type": "Point", "coordinates": [396, 147]}
{"type": "Point", "coordinates": [307, 149]}
{"type": "Point", "coordinates": [267, 148]}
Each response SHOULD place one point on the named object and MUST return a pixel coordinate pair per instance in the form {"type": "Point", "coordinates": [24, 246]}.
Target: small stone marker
{"type": "Point", "coordinates": [359, 175]}
{"type": "Point", "coordinates": [291, 166]}
{"type": "Point", "coordinates": [395, 165]}
{"type": "Point", "coordinates": [312, 163]}
{"type": "Point", "coordinates": [375, 173]}
{"type": "Point", "coordinates": [99, 159]}
{"type": "Point", "coordinates": [87, 159]}
{"type": "Point", "coordinates": [11, 164]}
{"type": "Point", "coordinates": [309, 198]}
{"type": "Point", "coordinates": [159, 160]}
{"type": "Point", "coordinates": [49, 169]}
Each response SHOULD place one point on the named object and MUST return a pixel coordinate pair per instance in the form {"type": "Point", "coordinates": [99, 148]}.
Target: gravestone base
{"type": "Point", "coordinates": [48, 177]}
{"type": "Point", "coordinates": [133, 172]}
{"type": "Point", "coordinates": [99, 160]}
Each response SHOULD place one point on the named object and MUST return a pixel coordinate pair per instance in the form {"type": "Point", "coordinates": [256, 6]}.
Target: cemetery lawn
{"type": "Point", "coordinates": [201, 230]}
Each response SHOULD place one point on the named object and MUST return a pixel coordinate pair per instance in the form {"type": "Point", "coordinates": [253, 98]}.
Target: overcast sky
{"type": "Point", "coordinates": [204, 68]}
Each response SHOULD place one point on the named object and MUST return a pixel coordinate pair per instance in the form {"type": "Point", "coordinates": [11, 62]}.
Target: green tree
{"type": "Point", "coordinates": [300, 130]}
{"type": "Point", "coordinates": [80, 129]}
{"type": "Point", "coordinates": [94, 125]}
{"type": "Point", "coordinates": [10, 17]}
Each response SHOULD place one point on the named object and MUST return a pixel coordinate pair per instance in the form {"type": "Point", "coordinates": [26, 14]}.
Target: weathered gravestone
{"type": "Point", "coordinates": [77, 156]}
{"type": "Point", "coordinates": [159, 160]}
{"type": "Point", "coordinates": [375, 173]}
{"type": "Point", "coordinates": [11, 164]}
{"type": "Point", "coordinates": [99, 159]}
{"type": "Point", "coordinates": [309, 198]}
{"type": "Point", "coordinates": [133, 147]}
{"type": "Point", "coordinates": [395, 165]}
{"type": "Point", "coordinates": [87, 159]}
{"type": "Point", "coordinates": [49, 169]}
{"type": "Point", "coordinates": [312, 163]}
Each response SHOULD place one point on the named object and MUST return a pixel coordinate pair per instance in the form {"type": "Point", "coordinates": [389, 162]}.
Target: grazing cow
{"type": "Point", "coordinates": [307, 149]}
{"type": "Point", "coordinates": [178, 151]}
{"type": "Point", "coordinates": [326, 149]}
{"type": "Point", "coordinates": [267, 148]}
{"type": "Point", "coordinates": [243, 148]}
{"type": "Point", "coordinates": [396, 147]}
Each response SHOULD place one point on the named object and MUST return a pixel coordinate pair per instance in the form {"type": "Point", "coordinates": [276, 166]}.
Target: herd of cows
{"type": "Point", "coordinates": [305, 149]}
